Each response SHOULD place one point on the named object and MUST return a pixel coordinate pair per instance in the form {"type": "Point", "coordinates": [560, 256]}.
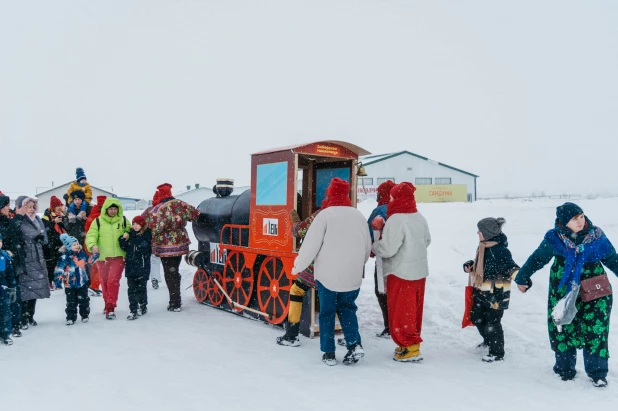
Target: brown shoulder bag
{"type": "Point", "coordinates": [595, 288]}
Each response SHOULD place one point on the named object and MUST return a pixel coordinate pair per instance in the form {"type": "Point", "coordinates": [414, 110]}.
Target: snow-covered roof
{"type": "Point", "coordinates": [368, 160]}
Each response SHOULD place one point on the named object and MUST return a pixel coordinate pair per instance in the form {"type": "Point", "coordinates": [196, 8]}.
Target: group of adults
{"type": "Point", "coordinates": [337, 244]}
{"type": "Point", "coordinates": [35, 245]}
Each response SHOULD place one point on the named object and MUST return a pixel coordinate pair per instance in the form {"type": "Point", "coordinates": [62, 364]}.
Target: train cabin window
{"type": "Point", "coordinates": [323, 179]}
{"type": "Point", "coordinates": [272, 184]}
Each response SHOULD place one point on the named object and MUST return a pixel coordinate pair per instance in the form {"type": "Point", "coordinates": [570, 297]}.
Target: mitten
{"type": "Point", "coordinates": [378, 223]}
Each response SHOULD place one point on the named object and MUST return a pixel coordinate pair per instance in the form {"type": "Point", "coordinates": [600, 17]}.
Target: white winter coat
{"type": "Point", "coordinates": [403, 246]}
{"type": "Point", "coordinates": [339, 243]}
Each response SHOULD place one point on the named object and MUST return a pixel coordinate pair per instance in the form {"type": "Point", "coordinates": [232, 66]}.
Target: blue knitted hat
{"type": "Point", "coordinates": [79, 174]}
{"type": "Point", "coordinates": [67, 240]}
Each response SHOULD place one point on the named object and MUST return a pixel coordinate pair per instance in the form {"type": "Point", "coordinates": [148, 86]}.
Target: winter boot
{"type": "Point", "coordinates": [6, 341]}
{"type": "Point", "coordinates": [409, 354]}
{"type": "Point", "coordinates": [70, 322]}
{"type": "Point", "coordinates": [16, 332]}
{"type": "Point", "coordinates": [384, 334]}
{"type": "Point", "coordinates": [143, 310]}
{"type": "Point", "coordinates": [32, 322]}
{"type": "Point", "coordinates": [355, 353]}
{"type": "Point", "coordinates": [155, 284]}
{"type": "Point", "coordinates": [24, 325]}
{"type": "Point", "coordinates": [132, 316]}
{"type": "Point", "coordinates": [109, 311]}
{"type": "Point", "coordinates": [399, 350]}
{"type": "Point", "coordinates": [329, 358]}
{"type": "Point", "coordinates": [176, 310]}
{"type": "Point", "coordinates": [84, 319]}
{"type": "Point", "coordinates": [599, 383]}
{"type": "Point", "coordinates": [290, 338]}
{"type": "Point", "coordinates": [491, 358]}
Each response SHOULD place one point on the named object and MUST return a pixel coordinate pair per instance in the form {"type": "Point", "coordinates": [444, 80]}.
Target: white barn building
{"type": "Point", "coordinates": [421, 171]}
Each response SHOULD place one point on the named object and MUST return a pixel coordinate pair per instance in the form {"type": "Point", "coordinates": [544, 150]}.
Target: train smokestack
{"type": "Point", "coordinates": [224, 187]}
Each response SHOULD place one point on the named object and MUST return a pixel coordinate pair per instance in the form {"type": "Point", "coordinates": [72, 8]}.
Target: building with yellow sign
{"type": "Point", "coordinates": [434, 181]}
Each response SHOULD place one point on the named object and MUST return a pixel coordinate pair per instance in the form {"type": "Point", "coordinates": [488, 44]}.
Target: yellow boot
{"type": "Point", "coordinates": [409, 354]}
{"type": "Point", "coordinates": [399, 350]}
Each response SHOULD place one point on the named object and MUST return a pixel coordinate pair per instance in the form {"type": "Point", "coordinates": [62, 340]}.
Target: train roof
{"type": "Point", "coordinates": [359, 151]}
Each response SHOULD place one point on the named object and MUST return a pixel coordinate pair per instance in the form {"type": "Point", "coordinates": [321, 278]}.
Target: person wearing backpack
{"type": "Point", "coordinates": [102, 239]}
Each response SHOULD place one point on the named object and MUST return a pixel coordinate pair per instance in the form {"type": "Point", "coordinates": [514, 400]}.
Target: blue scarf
{"type": "Point", "coordinates": [594, 248]}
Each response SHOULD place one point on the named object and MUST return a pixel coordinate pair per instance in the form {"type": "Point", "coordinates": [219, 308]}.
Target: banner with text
{"type": "Point", "coordinates": [425, 193]}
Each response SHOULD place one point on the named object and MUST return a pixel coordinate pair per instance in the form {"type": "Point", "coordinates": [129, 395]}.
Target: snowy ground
{"type": "Point", "coordinates": [203, 358]}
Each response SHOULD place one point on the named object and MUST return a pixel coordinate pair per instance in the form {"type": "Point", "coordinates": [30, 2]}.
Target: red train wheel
{"type": "Point", "coordinates": [273, 290]}
{"type": "Point", "coordinates": [238, 279]}
{"type": "Point", "coordinates": [215, 295]}
{"type": "Point", "coordinates": [200, 285]}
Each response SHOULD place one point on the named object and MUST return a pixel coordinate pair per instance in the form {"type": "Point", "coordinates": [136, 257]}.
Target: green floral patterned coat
{"type": "Point", "coordinates": [590, 328]}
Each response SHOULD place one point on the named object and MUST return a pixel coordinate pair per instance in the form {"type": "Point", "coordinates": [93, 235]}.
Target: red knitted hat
{"type": "Point", "coordinates": [55, 202]}
{"type": "Point", "coordinates": [101, 200]}
{"type": "Point", "coordinates": [165, 191]}
{"type": "Point", "coordinates": [384, 191]}
{"type": "Point", "coordinates": [403, 190]}
{"type": "Point", "coordinates": [338, 188]}
{"type": "Point", "coordinates": [139, 220]}
{"type": "Point", "coordinates": [156, 199]}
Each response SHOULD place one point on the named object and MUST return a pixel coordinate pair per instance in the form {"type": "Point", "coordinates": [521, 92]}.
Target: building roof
{"type": "Point", "coordinates": [359, 151]}
{"type": "Point", "coordinates": [369, 160]}
{"type": "Point", "coordinates": [69, 183]}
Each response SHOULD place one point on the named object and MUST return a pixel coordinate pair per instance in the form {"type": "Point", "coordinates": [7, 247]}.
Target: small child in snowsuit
{"type": "Point", "coordinates": [138, 246]}
{"type": "Point", "coordinates": [73, 270]}
{"type": "Point", "coordinates": [80, 184]}
{"type": "Point", "coordinates": [491, 274]}
{"type": "Point", "coordinates": [8, 295]}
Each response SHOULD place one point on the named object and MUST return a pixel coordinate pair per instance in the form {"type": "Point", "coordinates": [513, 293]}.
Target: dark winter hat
{"type": "Point", "coordinates": [67, 240]}
{"type": "Point", "coordinates": [78, 194]}
{"type": "Point", "coordinates": [165, 191]}
{"type": "Point", "coordinates": [4, 201]}
{"type": "Point", "coordinates": [567, 211]}
{"type": "Point", "coordinates": [55, 202]}
{"type": "Point", "coordinates": [491, 227]}
{"type": "Point", "coordinates": [79, 174]}
{"type": "Point", "coordinates": [139, 220]}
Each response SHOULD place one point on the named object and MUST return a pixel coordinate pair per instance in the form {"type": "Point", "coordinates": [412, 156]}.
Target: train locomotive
{"type": "Point", "coordinates": [246, 250]}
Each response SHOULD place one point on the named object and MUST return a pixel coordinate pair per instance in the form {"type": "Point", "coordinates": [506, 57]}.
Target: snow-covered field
{"type": "Point", "coordinates": [203, 359]}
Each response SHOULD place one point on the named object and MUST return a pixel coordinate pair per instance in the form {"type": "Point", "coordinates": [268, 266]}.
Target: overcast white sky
{"type": "Point", "coordinates": [523, 93]}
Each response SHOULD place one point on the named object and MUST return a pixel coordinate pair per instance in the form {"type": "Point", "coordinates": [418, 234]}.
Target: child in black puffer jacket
{"type": "Point", "coordinates": [491, 274]}
{"type": "Point", "coordinates": [138, 246]}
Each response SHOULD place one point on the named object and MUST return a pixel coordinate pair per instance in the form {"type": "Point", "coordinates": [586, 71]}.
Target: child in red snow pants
{"type": "Point", "coordinates": [110, 273]}
{"type": "Point", "coordinates": [405, 310]}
